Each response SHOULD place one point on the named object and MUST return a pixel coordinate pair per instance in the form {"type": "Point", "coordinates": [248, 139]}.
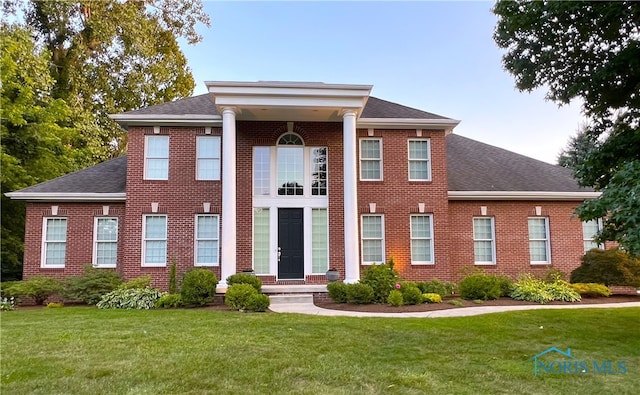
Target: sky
{"type": "Point", "coordinates": [439, 57]}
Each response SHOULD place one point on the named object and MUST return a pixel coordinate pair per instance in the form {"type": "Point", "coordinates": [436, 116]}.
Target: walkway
{"type": "Point", "coordinates": [310, 308]}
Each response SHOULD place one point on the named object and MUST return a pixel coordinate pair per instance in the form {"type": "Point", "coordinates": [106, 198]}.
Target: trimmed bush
{"type": "Point", "coordinates": [532, 289]}
{"type": "Point", "coordinates": [238, 296]}
{"type": "Point", "coordinates": [432, 298]}
{"type": "Point", "coordinates": [591, 290]}
{"type": "Point", "coordinates": [92, 285]}
{"type": "Point", "coordinates": [173, 288]}
{"type": "Point", "coordinates": [337, 292]}
{"type": "Point", "coordinates": [259, 302]}
{"type": "Point", "coordinates": [132, 298]}
{"type": "Point", "coordinates": [243, 278]}
{"type": "Point", "coordinates": [54, 305]}
{"type": "Point", "coordinates": [608, 267]}
{"type": "Point", "coordinates": [198, 287]}
{"type": "Point", "coordinates": [360, 293]}
{"type": "Point", "coordinates": [381, 278]}
{"type": "Point", "coordinates": [169, 301]}
{"type": "Point", "coordinates": [442, 288]}
{"type": "Point", "coordinates": [480, 286]}
{"type": "Point", "coordinates": [395, 298]}
{"type": "Point", "coordinates": [138, 282]}
{"type": "Point", "coordinates": [410, 293]}
{"type": "Point", "coordinates": [38, 287]}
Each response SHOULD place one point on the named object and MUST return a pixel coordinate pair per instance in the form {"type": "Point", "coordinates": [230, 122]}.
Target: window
{"type": "Point", "coordinates": [105, 242]}
{"type": "Point", "coordinates": [154, 248]}
{"type": "Point", "coordinates": [319, 240]}
{"type": "Point", "coordinates": [539, 240]}
{"type": "Point", "coordinates": [422, 239]}
{"type": "Point", "coordinates": [371, 159]}
{"type": "Point", "coordinates": [207, 240]}
{"type": "Point", "coordinates": [208, 158]}
{"type": "Point", "coordinates": [319, 171]}
{"type": "Point", "coordinates": [419, 160]}
{"type": "Point", "coordinates": [484, 246]}
{"type": "Point", "coordinates": [54, 242]}
{"type": "Point", "coordinates": [156, 158]}
{"type": "Point", "coordinates": [589, 230]}
{"type": "Point", "coordinates": [261, 240]}
{"type": "Point", "coordinates": [372, 239]}
{"type": "Point", "coordinates": [261, 170]}
{"type": "Point", "coordinates": [290, 170]}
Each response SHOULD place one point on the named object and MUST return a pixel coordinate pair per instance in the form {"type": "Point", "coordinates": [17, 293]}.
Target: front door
{"type": "Point", "coordinates": [290, 244]}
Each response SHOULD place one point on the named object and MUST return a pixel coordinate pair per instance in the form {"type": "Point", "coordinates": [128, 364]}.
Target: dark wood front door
{"type": "Point", "coordinates": [290, 244]}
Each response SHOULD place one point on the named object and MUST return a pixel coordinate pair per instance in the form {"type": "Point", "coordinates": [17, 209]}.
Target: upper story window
{"type": "Point", "coordinates": [207, 158]}
{"type": "Point", "coordinates": [589, 230]}
{"type": "Point", "coordinates": [105, 242]}
{"type": "Point", "coordinates": [539, 247]}
{"type": "Point", "coordinates": [54, 242]}
{"type": "Point", "coordinates": [371, 159]}
{"type": "Point", "coordinates": [319, 171]}
{"type": "Point", "coordinates": [419, 160]}
{"type": "Point", "coordinates": [156, 158]}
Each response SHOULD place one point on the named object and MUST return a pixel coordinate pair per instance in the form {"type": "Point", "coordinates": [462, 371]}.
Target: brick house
{"type": "Point", "coordinates": [290, 179]}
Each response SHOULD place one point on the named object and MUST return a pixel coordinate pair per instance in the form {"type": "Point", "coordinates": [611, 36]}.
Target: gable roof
{"type": "Point", "coordinates": [378, 108]}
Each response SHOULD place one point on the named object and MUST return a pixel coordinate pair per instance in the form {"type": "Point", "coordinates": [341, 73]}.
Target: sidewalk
{"type": "Point", "coordinates": [310, 308]}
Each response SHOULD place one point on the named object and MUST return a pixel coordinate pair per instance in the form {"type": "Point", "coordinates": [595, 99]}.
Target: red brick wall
{"type": "Point", "coordinates": [79, 248]}
{"type": "Point", "coordinates": [512, 236]}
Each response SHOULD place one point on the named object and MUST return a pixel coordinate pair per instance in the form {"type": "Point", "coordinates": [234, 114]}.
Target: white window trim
{"type": "Point", "coordinates": [144, 240]}
{"type": "Point", "coordinates": [362, 239]}
{"type": "Point", "coordinates": [584, 239]}
{"type": "Point", "coordinates": [43, 248]}
{"type": "Point", "coordinates": [381, 160]}
{"type": "Point", "coordinates": [198, 139]}
{"type": "Point", "coordinates": [411, 238]}
{"type": "Point", "coordinates": [146, 156]}
{"type": "Point", "coordinates": [428, 160]}
{"type": "Point", "coordinates": [96, 241]}
{"type": "Point", "coordinates": [492, 240]}
{"type": "Point", "coordinates": [196, 239]}
{"type": "Point", "coordinates": [547, 241]}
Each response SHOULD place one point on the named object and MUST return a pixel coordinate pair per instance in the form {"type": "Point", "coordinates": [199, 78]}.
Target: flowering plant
{"type": "Point", "coordinates": [7, 304]}
{"type": "Point", "coordinates": [398, 286]}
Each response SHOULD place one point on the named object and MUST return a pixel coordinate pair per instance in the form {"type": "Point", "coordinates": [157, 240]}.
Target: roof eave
{"type": "Point", "coordinates": [408, 123]}
{"type": "Point", "coordinates": [167, 119]}
{"type": "Point", "coordinates": [67, 196]}
{"type": "Point", "coordinates": [522, 195]}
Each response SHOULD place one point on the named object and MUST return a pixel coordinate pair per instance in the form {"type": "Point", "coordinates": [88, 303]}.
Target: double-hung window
{"type": "Point", "coordinates": [105, 242]}
{"type": "Point", "coordinates": [539, 248]}
{"type": "Point", "coordinates": [421, 239]}
{"type": "Point", "coordinates": [589, 230]}
{"type": "Point", "coordinates": [370, 159]}
{"type": "Point", "coordinates": [156, 158]}
{"type": "Point", "coordinates": [54, 242]}
{"type": "Point", "coordinates": [484, 244]}
{"type": "Point", "coordinates": [207, 240]}
{"type": "Point", "coordinates": [372, 239]}
{"type": "Point", "coordinates": [207, 158]}
{"type": "Point", "coordinates": [419, 160]}
{"type": "Point", "coordinates": [154, 248]}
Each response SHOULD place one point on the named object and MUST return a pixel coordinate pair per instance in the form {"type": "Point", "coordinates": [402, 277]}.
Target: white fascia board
{"type": "Point", "coordinates": [289, 101]}
{"type": "Point", "coordinates": [521, 195]}
{"type": "Point", "coordinates": [407, 123]}
{"type": "Point", "coordinates": [286, 87]}
{"type": "Point", "coordinates": [66, 196]}
{"type": "Point", "coordinates": [166, 119]}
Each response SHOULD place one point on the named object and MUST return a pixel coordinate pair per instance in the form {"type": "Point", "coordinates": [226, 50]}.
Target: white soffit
{"type": "Point", "coordinates": [521, 195]}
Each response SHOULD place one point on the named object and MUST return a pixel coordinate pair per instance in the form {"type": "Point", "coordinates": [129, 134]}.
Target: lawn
{"type": "Point", "coordinates": [82, 350]}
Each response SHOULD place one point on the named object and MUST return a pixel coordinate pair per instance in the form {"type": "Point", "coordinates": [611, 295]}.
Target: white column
{"type": "Point", "coordinates": [351, 250]}
{"type": "Point", "coordinates": [228, 236]}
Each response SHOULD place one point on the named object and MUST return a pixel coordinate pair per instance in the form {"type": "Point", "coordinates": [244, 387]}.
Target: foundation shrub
{"type": "Point", "coordinates": [130, 298]}
{"type": "Point", "coordinates": [480, 286]}
{"type": "Point", "coordinates": [608, 267]}
{"type": "Point", "coordinates": [381, 278]}
{"type": "Point", "coordinates": [173, 286]}
{"type": "Point", "coordinates": [591, 290]}
{"type": "Point", "coordinates": [38, 287]}
{"type": "Point", "coordinates": [432, 298]}
{"type": "Point", "coordinates": [442, 288]}
{"type": "Point", "coordinates": [360, 293]}
{"type": "Point", "coordinates": [239, 295]}
{"type": "Point", "coordinates": [395, 298]}
{"type": "Point", "coordinates": [411, 294]}
{"type": "Point", "coordinates": [92, 285]}
{"type": "Point", "coordinates": [169, 301]}
{"type": "Point", "coordinates": [258, 302]}
{"type": "Point", "coordinates": [532, 289]}
{"type": "Point", "coordinates": [138, 282]}
{"type": "Point", "coordinates": [55, 305]}
{"type": "Point", "coordinates": [243, 278]}
{"type": "Point", "coordinates": [337, 292]}
{"type": "Point", "coordinates": [198, 287]}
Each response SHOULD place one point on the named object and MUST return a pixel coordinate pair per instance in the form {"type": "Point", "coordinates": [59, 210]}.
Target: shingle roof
{"type": "Point", "coordinates": [378, 108]}
{"type": "Point", "coordinates": [476, 166]}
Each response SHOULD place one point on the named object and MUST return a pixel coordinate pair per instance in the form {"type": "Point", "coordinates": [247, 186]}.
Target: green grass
{"type": "Point", "coordinates": [81, 350]}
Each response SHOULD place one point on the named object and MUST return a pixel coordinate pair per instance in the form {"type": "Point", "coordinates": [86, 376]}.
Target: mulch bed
{"type": "Point", "coordinates": [384, 308]}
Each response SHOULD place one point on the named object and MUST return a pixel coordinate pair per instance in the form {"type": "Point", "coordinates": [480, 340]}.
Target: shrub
{"type": "Point", "coordinates": [442, 288]}
{"type": "Point", "coordinates": [54, 305]}
{"type": "Point", "coordinates": [456, 302]}
{"type": "Point", "coordinates": [395, 298]}
{"type": "Point", "coordinates": [562, 290]}
{"type": "Point", "coordinates": [360, 293]}
{"type": "Point", "coordinates": [7, 304]}
{"type": "Point", "coordinates": [173, 289]}
{"type": "Point", "coordinates": [410, 293]}
{"type": "Point", "coordinates": [432, 298]}
{"type": "Point", "coordinates": [381, 278]}
{"type": "Point", "coordinates": [480, 286]}
{"type": "Point", "coordinates": [243, 278]}
{"type": "Point", "coordinates": [138, 282]}
{"type": "Point", "coordinates": [591, 290]}
{"type": "Point", "coordinates": [608, 267]}
{"type": "Point", "coordinates": [38, 287]}
{"type": "Point", "coordinates": [169, 301]}
{"type": "Point", "coordinates": [553, 274]}
{"type": "Point", "coordinates": [91, 285]}
{"type": "Point", "coordinates": [505, 285]}
{"type": "Point", "coordinates": [198, 287]}
{"type": "Point", "coordinates": [238, 296]}
{"type": "Point", "coordinates": [531, 289]}
{"type": "Point", "coordinates": [258, 302]}
{"type": "Point", "coordinates": [132, 298]}
{"type": "Point", "coordinates": [337, 292]}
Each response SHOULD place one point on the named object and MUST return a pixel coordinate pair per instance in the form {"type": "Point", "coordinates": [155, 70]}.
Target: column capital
{"type": "Point", "coordinates": [345, 112]}
{"type": "Point", "coordinates": [229, 109]}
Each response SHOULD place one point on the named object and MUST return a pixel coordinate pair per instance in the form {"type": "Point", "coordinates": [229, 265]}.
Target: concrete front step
{"type": "Point", "coordinates": [291, 298]}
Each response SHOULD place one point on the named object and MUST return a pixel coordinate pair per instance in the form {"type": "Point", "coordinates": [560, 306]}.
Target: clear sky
{"type": "Point", "coordinates": [436, 56]}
